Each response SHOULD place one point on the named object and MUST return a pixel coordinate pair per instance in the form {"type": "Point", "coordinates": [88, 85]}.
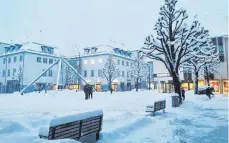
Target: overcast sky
{"type": "Point", "coordinates": [67, 23]}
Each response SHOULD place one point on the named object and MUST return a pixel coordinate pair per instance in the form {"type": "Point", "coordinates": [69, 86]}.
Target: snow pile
{"type": "Point", "coordinates": [8, 127]}
{"type": "Point", "coordinates": [77, 117]}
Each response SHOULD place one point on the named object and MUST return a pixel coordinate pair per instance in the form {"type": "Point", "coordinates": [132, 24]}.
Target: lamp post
{"type": "Point", "coordinates": [149, 76]}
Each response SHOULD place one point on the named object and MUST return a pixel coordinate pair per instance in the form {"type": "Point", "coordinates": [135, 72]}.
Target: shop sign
{"type": "Point", "coordinates": [162, 75]}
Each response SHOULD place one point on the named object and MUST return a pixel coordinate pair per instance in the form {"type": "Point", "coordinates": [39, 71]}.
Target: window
{"type": "Point", "coordinates": [85, 73]}
{"type": "Point", "coordinates": [127, 74]}
{"type": "Point", "coordinates": [99, 73]}
{"type": "Point", "coordinates": [131, 64]}
{"type": "Point", "coordinates": [85, 62]}
{"type": "Point", "coordinates": [220, 41]}
{"type": "Point", "coordinates": [118, 62]}
{"type": "Point", "coordinates": [8, 73]}
{"type": "Point", "coordinates": [4, 61]}
{"type": "Point", "coordinates": [44, 74]}
{"type": "Point", "coordinates": [86, 51]}
{"type": "Point", "coordinates": [45, 60]}
{"type": "Point", "coordinates": [9, 60]}
{"type": "Point", "coordinates": [15, 59]}
{"type": "Point", "coordinates": [39, 59]}
{"type": "Point", "coordinates": [3, 73]}
{"type": "Point", "coordinates": [92, 61]}
{"type": "Point", "coordinates": [14, 72]}
{"type": "Point", "coordinates": [100, 60]}
{"type": "Point", "coordinates": [50, 61]}
{"type": "Point", "coordinates": [123, 63]}
{"type": "Point", "coordinates": [123, 74]}
{"type": "Point", "coordinates": [21, 58]}
{"type": "Point", "coordinates": [50, 73]}
{"type": "Point", "coordinates": [221, 58]}
{"type": "Point", "coordinates": [127, 63]}
{"type": "Point", "coordinates": [93, 50]}
{"type": "Point", "coordinates": [221, 49]}
{"type": "Point", "coordinates": [92, 73]}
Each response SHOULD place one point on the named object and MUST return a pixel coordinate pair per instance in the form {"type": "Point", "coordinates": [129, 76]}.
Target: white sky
{"type": "Point", "coordinates": [67, 23]}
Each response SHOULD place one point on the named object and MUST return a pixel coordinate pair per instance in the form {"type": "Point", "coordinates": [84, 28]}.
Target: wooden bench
{"type": "Point", "coordinates": [84, 127]}
{"type": "Point", "coordinates": [158, 105]}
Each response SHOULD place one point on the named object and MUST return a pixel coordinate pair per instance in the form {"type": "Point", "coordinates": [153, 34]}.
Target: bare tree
{"type": "Point", "coordinates": [175, 41]}
{"type": "Point", "coordinates": [20, 77]}
{"type": "Point", "coordinates": [139, 70]}
{"type": "Point", "coordinates": [68, 75]}
{"type": "Point", "coordinates": [110, 72]}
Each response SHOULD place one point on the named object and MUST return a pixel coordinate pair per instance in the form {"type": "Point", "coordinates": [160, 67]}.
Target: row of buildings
{"type": "Point", "coordinates": [22, 63]}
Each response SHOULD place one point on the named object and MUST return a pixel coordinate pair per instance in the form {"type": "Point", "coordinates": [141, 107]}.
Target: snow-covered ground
{"type": "Point", "coordinates": [198, 119]}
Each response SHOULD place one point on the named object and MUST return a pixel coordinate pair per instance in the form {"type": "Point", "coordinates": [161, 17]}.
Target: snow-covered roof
{"type": "Point", "coordinates": [107, 49]}
{"type": "Point", "coordinates": [34, 46]}
{"type": "Point", "coordinates": [26, 46]}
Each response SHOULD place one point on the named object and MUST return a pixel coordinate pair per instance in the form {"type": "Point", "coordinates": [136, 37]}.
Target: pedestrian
{"type": "Point", "coordinates": [183, 93]}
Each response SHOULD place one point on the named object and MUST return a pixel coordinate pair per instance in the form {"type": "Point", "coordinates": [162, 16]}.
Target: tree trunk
{"type": "Point", "coordinates": [110, 87]}
{"type": "Point", "coordinates": [196, 82]}
{"type": "Point", "coordinates": [207, 76]}
{"type": "Point", "coordinates": [137, 85]}
{"type": "Point", "coordinates": [177, 86]}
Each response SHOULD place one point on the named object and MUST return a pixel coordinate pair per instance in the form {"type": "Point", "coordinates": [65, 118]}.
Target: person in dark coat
{"type": "Point", "coordinates": [183, 93]}
{"type": "Point", "coordinates": [88, 89]}
{"type": "Point", "coordinates": [209, 91]}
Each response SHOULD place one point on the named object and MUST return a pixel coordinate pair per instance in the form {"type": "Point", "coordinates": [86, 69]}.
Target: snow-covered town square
{"type": "Point", "coordinates": [125, 119]}
{"type": "Point", "coordinates": [114, 71]}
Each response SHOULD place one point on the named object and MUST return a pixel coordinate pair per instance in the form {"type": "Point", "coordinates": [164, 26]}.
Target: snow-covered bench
{"type": "Point", "coordinates": [83, 127]}
{"type": "Point", "coordinates": [158, 105]}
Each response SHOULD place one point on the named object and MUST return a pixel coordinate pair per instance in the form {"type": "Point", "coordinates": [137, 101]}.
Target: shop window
{"type": "Point", "coordinates": [215, 84]}
{"type": "Point", "coordinates": [225, 86]}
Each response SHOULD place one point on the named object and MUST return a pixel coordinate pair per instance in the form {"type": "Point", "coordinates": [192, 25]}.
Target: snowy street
{"type": "Point", "coordinates": [198, 119]}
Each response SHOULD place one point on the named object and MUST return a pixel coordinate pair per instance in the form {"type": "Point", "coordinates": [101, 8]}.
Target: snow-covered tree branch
{"type": "Point", "coordinates": [110, 71]}
{"type": "Point", "coordinates": [175, 41]}
{"type": "Point", "coordinates": [139, 70]}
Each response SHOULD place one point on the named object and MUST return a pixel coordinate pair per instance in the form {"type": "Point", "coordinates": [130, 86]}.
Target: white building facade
{"type": "Point", "coordinates": [93, 61]}
{"type": "Point", "coordinates": [24, 62]}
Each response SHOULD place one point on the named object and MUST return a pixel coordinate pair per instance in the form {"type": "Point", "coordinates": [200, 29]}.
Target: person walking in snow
{"type": "Point", "coordinates": [183, 93]}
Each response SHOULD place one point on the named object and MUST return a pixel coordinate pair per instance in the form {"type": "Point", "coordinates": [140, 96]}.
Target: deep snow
{"type": "Point", "coordinates": [198, 119]}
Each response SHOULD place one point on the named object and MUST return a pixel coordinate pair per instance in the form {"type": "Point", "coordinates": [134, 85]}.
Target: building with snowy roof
{"type": "Point", "coordinates": [92, 61]}
{"type": "Point", "coordinates": [21, 63]}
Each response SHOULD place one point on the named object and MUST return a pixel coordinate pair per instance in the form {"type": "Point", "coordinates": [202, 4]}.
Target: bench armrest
{"type": "Point", "coordinates": [43, 132]}
{"type": "Point", "coordinates": [150, 108]}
